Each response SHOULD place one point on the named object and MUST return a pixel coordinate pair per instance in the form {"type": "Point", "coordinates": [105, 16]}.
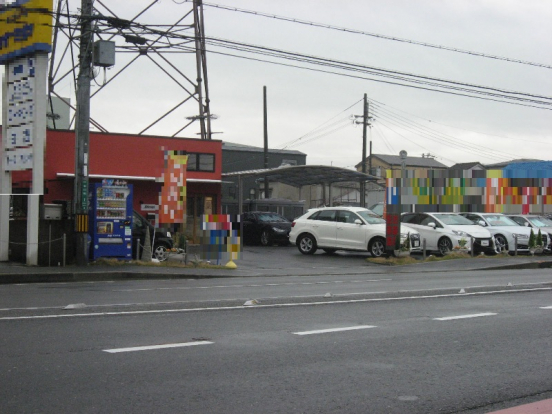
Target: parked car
{"type": "Point", "coordinates": [265, 227]}
{"type": "Point", "coordinates": [445, 231]}
{"type": "Point", "coordinates": [378, 208]}
{"type": "Point", "coordinates": [342, 228]}
{"type": "Point", "coordinates": [162, 242]}
{"type": "Point", "coordinates": [504, 230]}
{"type": "Point", "coordinates": [535, 222]}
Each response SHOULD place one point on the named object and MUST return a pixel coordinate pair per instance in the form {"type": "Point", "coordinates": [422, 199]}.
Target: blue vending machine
{"type": "Point", "coordinates": [111, 220]}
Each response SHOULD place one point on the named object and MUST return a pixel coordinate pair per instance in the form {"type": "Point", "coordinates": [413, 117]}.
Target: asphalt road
{"type": "Point", "coordinates": [389, 343]}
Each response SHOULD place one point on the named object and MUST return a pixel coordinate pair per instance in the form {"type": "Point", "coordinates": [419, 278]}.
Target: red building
{"type": "Point", "coordinates": [137, 159]}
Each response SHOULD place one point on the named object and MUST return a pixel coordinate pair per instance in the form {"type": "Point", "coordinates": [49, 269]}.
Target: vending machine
{"type": "Point", "coordinates": [111, 220]}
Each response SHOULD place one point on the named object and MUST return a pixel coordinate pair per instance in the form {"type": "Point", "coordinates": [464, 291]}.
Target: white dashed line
{"type": "Point", "coordinates": [152, 347]}
{"type": "Point", "coordinates": [475, 315]}
{"type": "Point", "coordinates": [322, 331]}
{"type": "Point", "coordinates": [546, 307]}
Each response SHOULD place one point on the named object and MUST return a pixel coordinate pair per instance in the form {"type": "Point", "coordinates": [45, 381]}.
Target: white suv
{"type": "Point", "coordinates": [343, 228]}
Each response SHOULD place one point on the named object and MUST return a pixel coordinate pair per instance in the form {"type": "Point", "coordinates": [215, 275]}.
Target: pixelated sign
{"type": "Point", "coordinates": [172, 199]}
{"type": "Point", "coordinates": [25, 28]}
{"type": "Point", "coordinates": [221, 239]}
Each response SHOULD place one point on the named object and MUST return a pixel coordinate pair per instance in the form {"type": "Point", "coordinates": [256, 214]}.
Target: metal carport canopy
{"type": "Point", "coordinates": [300, 175]}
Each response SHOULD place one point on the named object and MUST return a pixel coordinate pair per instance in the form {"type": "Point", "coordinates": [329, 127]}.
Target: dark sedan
{"type": "Point", "coordinates": [266, 228]}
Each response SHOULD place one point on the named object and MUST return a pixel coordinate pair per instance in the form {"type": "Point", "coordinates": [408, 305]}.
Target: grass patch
{"type": "Point", "coordinates": [399, 261]}
{"type": "Point", "coordinates": [392, 261]}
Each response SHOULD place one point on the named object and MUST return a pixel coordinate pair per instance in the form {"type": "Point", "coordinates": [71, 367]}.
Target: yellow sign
{"type": "Point", "coordinates": [25, 28]}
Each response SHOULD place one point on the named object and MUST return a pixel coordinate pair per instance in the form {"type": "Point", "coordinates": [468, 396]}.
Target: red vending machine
{"type": "Point", "coordinates": [111, 220]}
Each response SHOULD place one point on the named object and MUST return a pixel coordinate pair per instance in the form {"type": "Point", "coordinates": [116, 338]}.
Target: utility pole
{"type": "Point", "coordinates": [82, 135]}
{"type": "Point", "coordinates": [365, 124]}
{"type": "Point", "coordinates": [201, 64]}
{"type": "Point", "coordinates": [265, 113]}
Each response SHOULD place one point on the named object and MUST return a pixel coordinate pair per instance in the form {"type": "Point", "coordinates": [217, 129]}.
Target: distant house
{"type": "Point", "coordinates": [381, 162]}
{"type": "Point", "coordinates": [469, 166]}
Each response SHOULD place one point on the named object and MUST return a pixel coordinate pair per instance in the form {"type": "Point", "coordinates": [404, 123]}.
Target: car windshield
{"type": "Point", "coordinates": [272, 218]}
{"type": "Point", "coordinates": [377, 209]}
{"type": "Point", "coordinates": [454, 219]}
{"type": "Point", "coordinates": [369, 217]}
{"type": "Point", "coordinates": [499, 220]}
{"type": "Point", "coordinates": [540, 221]}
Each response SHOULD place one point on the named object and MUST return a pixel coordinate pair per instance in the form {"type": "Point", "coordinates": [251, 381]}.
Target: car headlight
{"type": "Point", "coordinates": [278, 230]}
{"type": "Point", "coordinates": [520, 236]}
{"type": "Point", "coordinates": [461, 233]}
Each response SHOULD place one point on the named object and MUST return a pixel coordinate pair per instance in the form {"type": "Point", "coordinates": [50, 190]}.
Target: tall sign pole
{"type": "Point", "coordinates": [82, 135]}
{"type": "Point", "coordinates": [26, 32]}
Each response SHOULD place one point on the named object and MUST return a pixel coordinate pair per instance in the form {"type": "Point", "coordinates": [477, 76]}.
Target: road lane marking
{"type": "Point", "coordinates": [321, 331]}
{"type": "Point", "coordinates": [256, 285]}
{"type": "Point", "coordinates": [546, 307]}
{"type": "Point", "coordinates": [153, 347]}
{"type": "Point", "coordinates": [276, 305]}
{"type": "Point", "coordinates": [474, 315]}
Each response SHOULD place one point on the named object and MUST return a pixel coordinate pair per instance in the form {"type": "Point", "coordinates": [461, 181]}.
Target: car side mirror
{"type": "Point", "coordinates": [358, 221]}
{"type": "Point", "coordinates": [432, 225]}
{"type": "Point", "coordinates": [482, 223]}
{"type": "Point", "coordinates": [526, 224]}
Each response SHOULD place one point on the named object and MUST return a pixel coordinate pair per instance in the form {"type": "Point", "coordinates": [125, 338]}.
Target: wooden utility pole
{"type": "Point", "coordinates": [82, 135]}
{"type": "Point", "coordinates": [364, 127]}
{"type": "Point", "coordinates": [266, 186]}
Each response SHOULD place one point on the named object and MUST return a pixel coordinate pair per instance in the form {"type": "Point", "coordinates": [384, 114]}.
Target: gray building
{"type": "Point", "coordinates": [238, 157]}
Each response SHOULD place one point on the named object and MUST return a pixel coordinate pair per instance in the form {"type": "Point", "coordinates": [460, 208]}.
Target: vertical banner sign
{"type": "Point", "coordinates": [21, 112]}
{"type": "Point", "coordinates": [172, 200]}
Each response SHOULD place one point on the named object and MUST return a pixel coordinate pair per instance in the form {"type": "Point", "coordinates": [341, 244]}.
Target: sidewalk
{"type": "Point", "coordinates": [252, 266]}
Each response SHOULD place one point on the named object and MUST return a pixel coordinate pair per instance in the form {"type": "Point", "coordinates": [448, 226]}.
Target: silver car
{"type": "Point", "coordinates": [506, 232]}
{"type": "Point", "coordinates": [536, 223]}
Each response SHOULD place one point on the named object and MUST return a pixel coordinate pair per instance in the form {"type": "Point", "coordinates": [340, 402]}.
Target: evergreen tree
{"type": "Point", "coordinates": [532, 240]}
{"type": "Point", "coordinates": [539, 239]}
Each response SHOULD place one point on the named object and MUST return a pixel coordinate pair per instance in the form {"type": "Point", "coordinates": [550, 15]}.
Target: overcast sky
{"type": "Point", "coordinates": [452, 128]}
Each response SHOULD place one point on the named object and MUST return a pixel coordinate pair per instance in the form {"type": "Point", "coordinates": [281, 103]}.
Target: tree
{"type": "Point", "coordinates": [539, 239]}
{"type": "Point", "coordinates": [532, 240]}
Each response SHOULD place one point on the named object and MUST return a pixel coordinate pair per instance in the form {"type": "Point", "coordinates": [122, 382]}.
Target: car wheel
{"type": "Point", "coordinates": [377, 247]}
{"type": "Point", "coordinates": [329, 251]}
{"type": "Point", "coordinates": [501, 244]}
{"type": "Point", "coordinates": [444, 245]}
{"type": "Point", "coordinates": [161, 252]}
{"type": "Point", "coordinates": [266, 238]}
{"type": "Point", "coordinates": [307, 244]}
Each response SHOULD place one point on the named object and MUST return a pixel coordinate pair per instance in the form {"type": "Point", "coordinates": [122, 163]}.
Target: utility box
{"type": "Point", "coordinates": [104, 53]}
{"type": "Point", "coordinates": [51, 212]}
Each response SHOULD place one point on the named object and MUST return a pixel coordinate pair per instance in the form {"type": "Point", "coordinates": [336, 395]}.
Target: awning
{"type": "Point", "coordinates": [137, 178]}
{"type": "Point", "coordinates": [300, 175]}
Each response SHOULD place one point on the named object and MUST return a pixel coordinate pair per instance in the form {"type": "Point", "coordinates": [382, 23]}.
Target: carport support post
{"type": "Point", "coordinates": [240, 195]}
{"type": "Point", "coordinates": [330, 194]}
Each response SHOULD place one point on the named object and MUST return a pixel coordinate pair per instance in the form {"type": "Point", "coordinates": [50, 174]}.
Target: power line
{"type": "Point", "coordinates": [374, 101]}
{"type": "Point", "coordinates": [434, 84]}
{"type": "Point", "coordinates": [315, 130]}
{"type": "Point", "coordinates": [435, 135]}
{"type": "Point", "coordinates": [393, 38]}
